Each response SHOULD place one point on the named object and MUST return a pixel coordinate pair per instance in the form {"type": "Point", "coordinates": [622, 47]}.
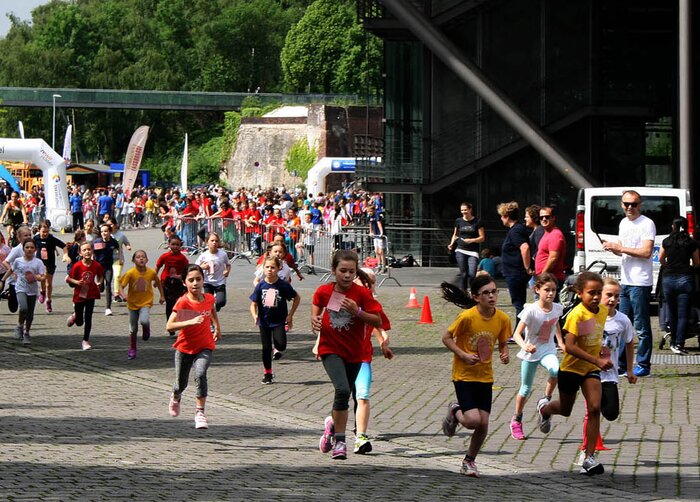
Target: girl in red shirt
{"type": "Point", "coordinates": [193, 315]}
{"type": "Point", "coordinates": [339, 313]}
{"type": "Point", "coordinates": [86, 277]}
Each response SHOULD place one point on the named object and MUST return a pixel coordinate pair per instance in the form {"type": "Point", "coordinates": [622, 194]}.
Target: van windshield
{"type": "Point", "coordinates": [606, 213]}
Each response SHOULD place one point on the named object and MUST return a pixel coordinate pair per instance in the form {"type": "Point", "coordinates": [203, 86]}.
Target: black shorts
{"type": "Point", "coordinates": [472, 395]}
{"type": "Point", "coordinates": [570, 383]}
{"type": "Point", "coordinates": [50, 269]}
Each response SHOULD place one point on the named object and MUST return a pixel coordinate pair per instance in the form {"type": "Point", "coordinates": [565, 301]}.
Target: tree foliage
{"type": "Point", "coordinates": [301, 158]}
{"type": "Point", "coordinates": [179, 45]}
{"type": "Point", "coordinates": [328, 51]}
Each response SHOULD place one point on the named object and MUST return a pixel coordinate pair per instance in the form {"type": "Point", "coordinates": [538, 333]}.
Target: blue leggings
{"type": "Point", "coordinates": [529, 368]}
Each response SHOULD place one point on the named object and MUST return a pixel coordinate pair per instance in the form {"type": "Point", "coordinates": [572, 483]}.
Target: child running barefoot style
{"type": "Point", "coordinates": [214, 263]}
{"type": "Point", "coordinates": [173, 263]}
{"type": "Point", "coordinates": [540, 325]}
{"type": "Point", "coordinates": [46, 244]}
{"type": "Point", "coordinates": [141, 280]}
{"type": "Point", "coordinates": [269, 310]}
{"type": "Point", "coordinates": [193, 314]}
{"type": "Point", "coordinates": [86, 276]}
{"type": "Point", "coordinates": [581, 365]}
{"type": "Point", "coordinates": [339, 313]}
{"type": "Point", "coordinates": [472, 337]}
{"type": "Point", "coordinates": [28, 271]}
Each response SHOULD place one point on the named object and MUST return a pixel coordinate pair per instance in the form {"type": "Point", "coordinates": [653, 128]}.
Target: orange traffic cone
{"type": "Point", "coordinates": [412, 300]}
{"type": "Point", "coordinates": [426, 316]}
{"type": "Point", "coordinates": [599, 444]}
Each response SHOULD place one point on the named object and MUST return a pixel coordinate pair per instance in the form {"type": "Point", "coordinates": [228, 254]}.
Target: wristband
{"type": "Point", "coordinates": [359, 311]}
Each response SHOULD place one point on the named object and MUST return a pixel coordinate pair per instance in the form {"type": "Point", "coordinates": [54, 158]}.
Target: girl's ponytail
{"type": "Point", "coordinates": [456, 295]}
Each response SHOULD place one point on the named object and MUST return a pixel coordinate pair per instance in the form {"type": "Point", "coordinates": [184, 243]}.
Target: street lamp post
{"type": "Point", "coordinates": [53, 122]}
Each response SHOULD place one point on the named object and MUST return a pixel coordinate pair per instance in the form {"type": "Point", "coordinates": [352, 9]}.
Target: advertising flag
{"type": "Point", "coordinates": [183, 171]}
{"type": "Point", "coordinates": [134, 155]}
{"type": "Point", "coordinates": [67, 143]}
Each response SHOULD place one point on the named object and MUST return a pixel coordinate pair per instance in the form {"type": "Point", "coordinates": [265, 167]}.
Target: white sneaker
{"type": "Point", "coordinates": [108, 311]}
{"type": "Point", "coordinates": [200, 421]}
{"type": "Point", "coordinates": [26, 339]}
{"type": "Point", "coordinates": [86, 345]}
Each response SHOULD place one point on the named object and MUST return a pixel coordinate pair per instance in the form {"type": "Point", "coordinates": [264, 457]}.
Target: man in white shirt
{"type": "Point", "coordinates": [635, 246]}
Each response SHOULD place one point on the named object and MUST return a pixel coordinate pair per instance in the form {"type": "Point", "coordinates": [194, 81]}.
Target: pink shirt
{"type": "Point", "coordinates": [551, 241]}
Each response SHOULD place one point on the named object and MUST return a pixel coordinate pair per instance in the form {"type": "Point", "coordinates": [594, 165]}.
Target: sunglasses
{"type": "Point", "coordinates": [546, 217]}
{"type": "Point", "coordinates": [630, 204]}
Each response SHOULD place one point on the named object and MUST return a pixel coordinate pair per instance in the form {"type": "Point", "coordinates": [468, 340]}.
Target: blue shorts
{"type": "Point", "coordinates": [363, 382]}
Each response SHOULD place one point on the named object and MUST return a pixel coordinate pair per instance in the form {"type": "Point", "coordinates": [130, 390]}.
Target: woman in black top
{"type": "Point", "coordinates": [677, 252]}
{"type": "Point", "coordinates": [469, 233]}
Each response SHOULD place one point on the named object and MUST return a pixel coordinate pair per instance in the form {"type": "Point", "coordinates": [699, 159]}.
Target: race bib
{"type": "Point", "coordinates": [270, 298]}
{"type": "Point", "coordinates": [140, 286]}
{"type": "Point", "coordinates": [99, 246]}
{"type": "Point", "coordinates": [545, 331]}
{"type": "Point", "coordinates": [335, 302]}
{"type": "Point", "coordinates": [483, 348]}
{"type": "Point", "coordinates": [44, 254]}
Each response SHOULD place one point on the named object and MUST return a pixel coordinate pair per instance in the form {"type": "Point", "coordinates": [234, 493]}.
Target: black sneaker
{"type": "Point", "coordinates": [267, 379]}
{"type": "Point", "coordinates": [665, 338]}
{"type": "Point", "coordinates": [277, 354]}
{"type": "Point", "coordinates": [677, 349]}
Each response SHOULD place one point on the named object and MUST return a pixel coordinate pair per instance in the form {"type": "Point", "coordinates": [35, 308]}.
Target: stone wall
{"type": "Point", "coordinates": [267, 140]}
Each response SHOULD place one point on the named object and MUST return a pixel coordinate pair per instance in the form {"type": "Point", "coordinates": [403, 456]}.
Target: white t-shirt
{"type": "Point", "coordinates": [636, 271]}
{"type": "Point", "coordinates": [618, 332]}
{"type": "Point", "coordinates": [540, 327]}
{"type": "Point", "coordinates": [217, 266]}
{"type": "Point", "coordinates": [26, 270]}
{"type": "Point", "coordinates": [308, 233]}
{"type": "Point", "coordinates": [15, 252]}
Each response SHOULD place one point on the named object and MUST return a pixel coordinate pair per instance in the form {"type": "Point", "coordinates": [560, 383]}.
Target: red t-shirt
{"type": "Point", "coordinates": [368, 349]}
{"type": "Point", "coordinates": [194, 339]}
{"type": "Point", "coordinates": [227, 213]}
{"type": "Point", "coordinates": [551, 241]}
{"type": "Point", "coordinates": [173, 264]}
{"type": "Point", "coordinates": [88, 274]}
{"type": "Point", "coordinates": [342, 333]}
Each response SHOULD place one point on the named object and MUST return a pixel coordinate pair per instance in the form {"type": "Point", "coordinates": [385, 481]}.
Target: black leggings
{"type": "Point", "coordinates": [108, 274]}
{"type": "Point", "coordinates": [83, 314]}
{"type": "Point", "coordinates": [610, 401]}
{"type": "Point", "coordinates": [268, 337]}
{"type": "Point", "coordinates": [343, 376]}
{"type": "Point", "coordinates": [12, 303]}
{"type": "Point", "coordinates": [219, 293]}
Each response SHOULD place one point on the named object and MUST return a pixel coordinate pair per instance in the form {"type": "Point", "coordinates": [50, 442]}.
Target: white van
{"type": "Point", "coordinates": [599, 212]}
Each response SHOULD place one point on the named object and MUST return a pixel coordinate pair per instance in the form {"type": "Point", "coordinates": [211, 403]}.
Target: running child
{"type": "Point", "coordinates": [269, 310]}
{"type": "Point", "coordinates": [71, 253]}
{"type": "Point", "coordinates": [193, 315]}
{"type": "Point", "coordinates": [540, 325]}
{"type": "Point", "coordinates": [307, 242]}
{"type": "Point", "coordinates": [46, 245]}
{"type": "Point", "coordinates": [618, 333]}
{"type": "Point", "coordinates": [363, 383]}
{"type": "Point", "coordinates": [216, 267]}
{"type": "Point", "coordinates": [141, 280]}
{"type": "Point", "coordinates": [581, 365]}
{"type": "Point", "coordinates": [339, 313]}
{"type": "Point", "coordinates": [173, 263]}
{"type": "Point", "coordinates": [86, 276]}
{"type": "Point", "coordinates": [28, 272]}
{"type": "Point", "coordinates": [278, 250]}
{"type": "Point", "coordinates": [472, 338]}
{"type": "Point", "coordinates": [22, 235]}
{"type": "Point", "coordinates": [105, 249]}
{"type": "Point", "coordinates": [123, 241]}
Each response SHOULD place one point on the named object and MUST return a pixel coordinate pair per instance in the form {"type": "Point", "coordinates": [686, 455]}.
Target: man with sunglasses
{"type": "Point", "coordinates": [551, 250]}
{"type": "Point", "coordinates": [636, 246]}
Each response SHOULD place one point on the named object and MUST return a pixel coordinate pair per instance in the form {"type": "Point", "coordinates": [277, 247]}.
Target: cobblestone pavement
{"type": "Point", "coordinates": [94, 426]}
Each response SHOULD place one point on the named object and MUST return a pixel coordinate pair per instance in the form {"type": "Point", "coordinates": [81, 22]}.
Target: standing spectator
{"type": "Point", "coordinates": [551, 250]}
{"type": "Point", "coordinates": [76, 208]}
{"type": "Point", "coordinates": [376, 231]}
{"type": "Point", "coordinates": [635, 246]}
{"type": "Point", "coordinates": [675, 255]}
{"type": "Point", "coordinates": [532, 221]}
{"type": "Point", "coordinates": [105, 205]}
{"type": "Point", "coordinates": [515, 255]}
{"type": "Point", "coordinates": [468, 234]}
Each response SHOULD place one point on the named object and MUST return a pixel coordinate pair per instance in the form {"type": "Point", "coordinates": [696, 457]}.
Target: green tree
{"type": "Point", "coordinates": [301, 158]}
{"type": "Point", "coordinates": [327, 51]}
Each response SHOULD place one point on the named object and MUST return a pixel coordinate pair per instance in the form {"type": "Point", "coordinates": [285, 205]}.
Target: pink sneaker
{"type": "Point", "coordinates": [516, 430]}
{"type": "Point", "coordinates": [49, 308]}
{"type": "Point", "coordinates": [131, 353]}
{"type": "Point", "coordinates": [326, 442]}
{"type": "Point", "coordinates": [71, 320]}
{"type": "Point", "coordinates": [174, 406]}
{"type": "Point", "coordinates": [340, 451]}
{"type": "Point", "coordinates": [42, 297]}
